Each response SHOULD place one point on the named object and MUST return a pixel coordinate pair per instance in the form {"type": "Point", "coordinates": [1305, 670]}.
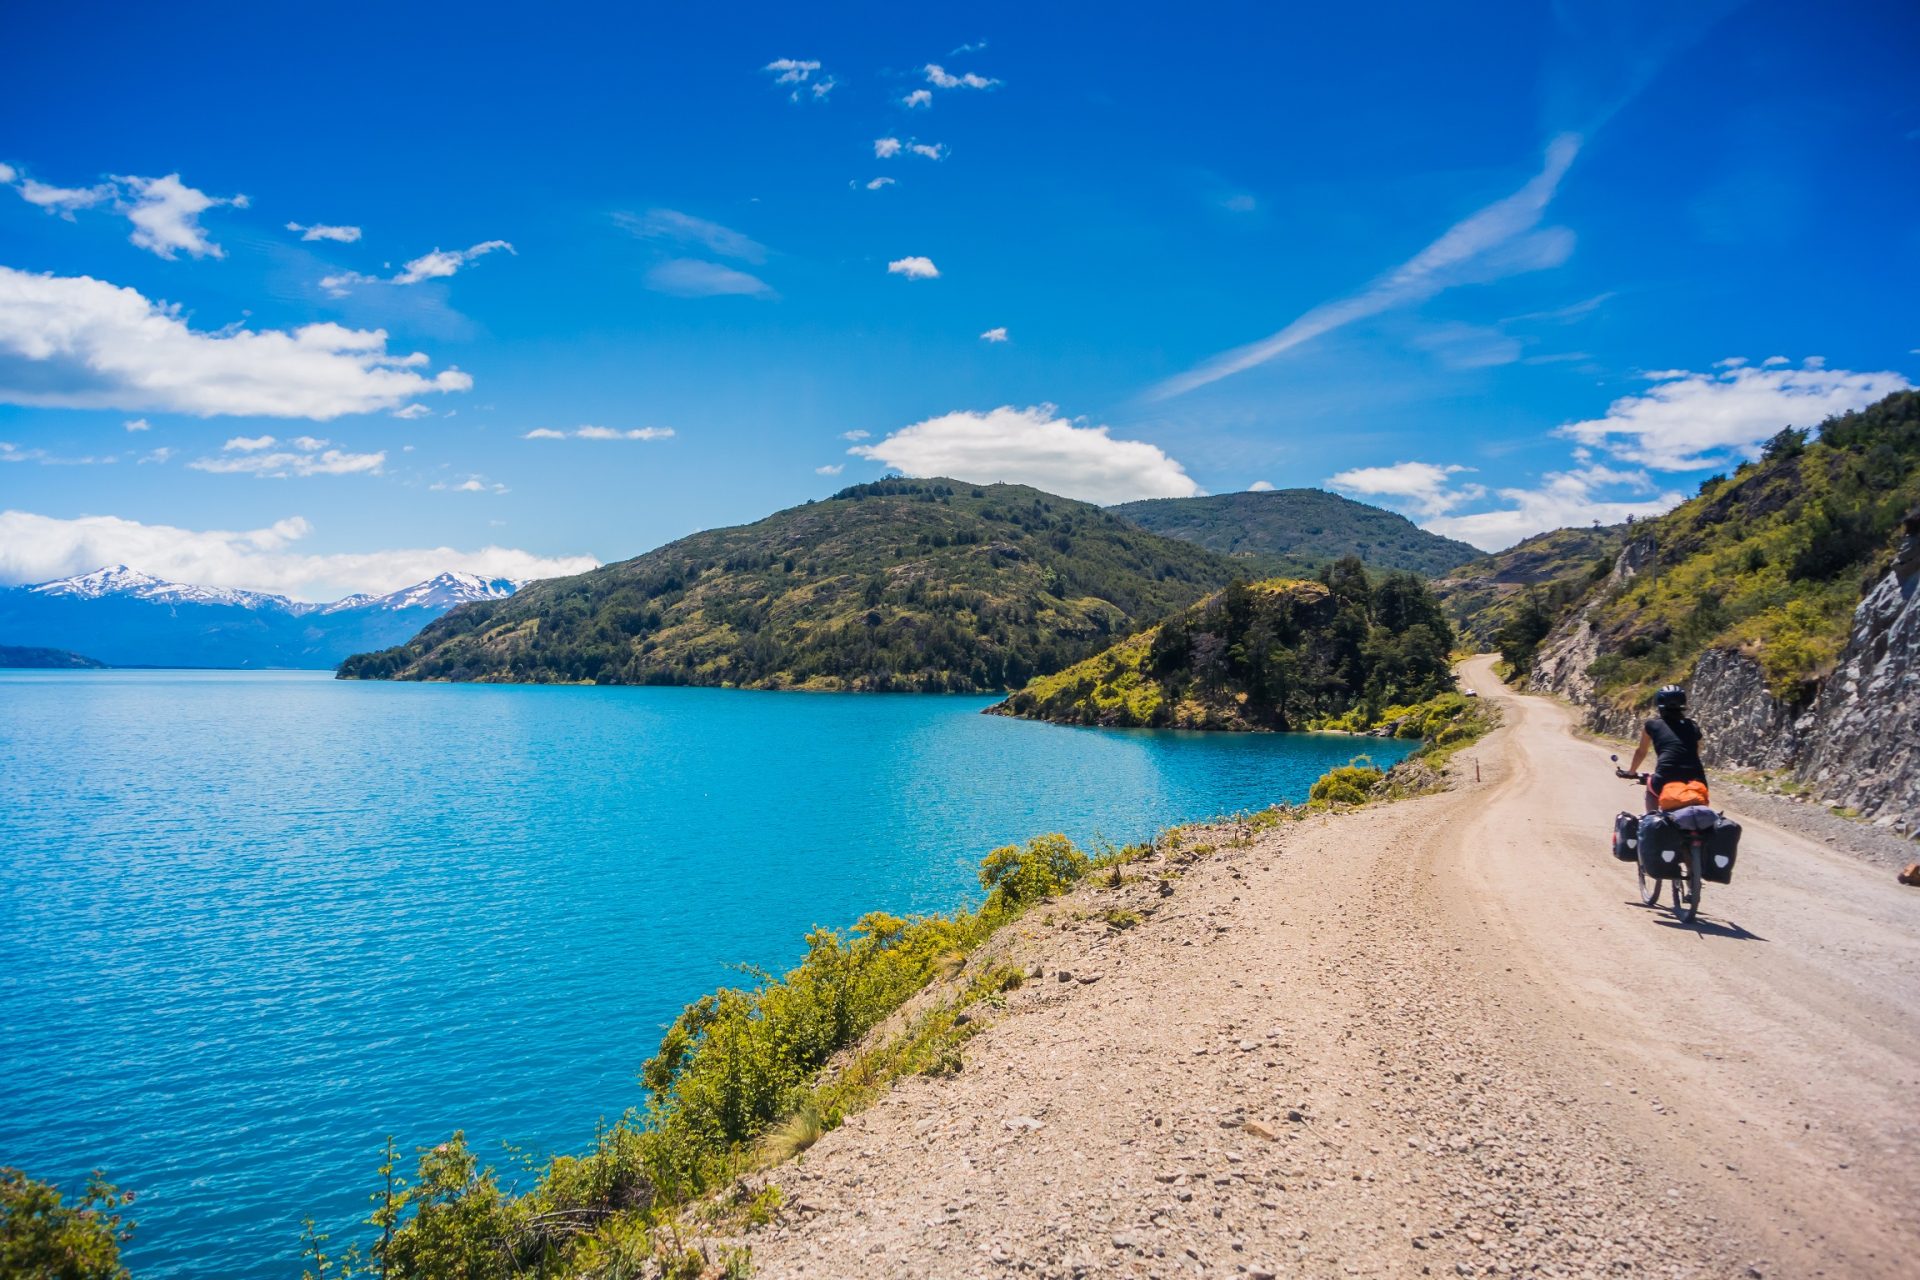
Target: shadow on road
{"type": "Point", "coordinates": [1712, 929]}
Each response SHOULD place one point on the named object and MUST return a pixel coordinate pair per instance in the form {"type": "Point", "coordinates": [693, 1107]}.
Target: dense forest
{"type": "Point", "coordinates": [1294, 532]}
{"type": "Point", "coordinates": [1271, 655]}
{"type": "Point", "coordinates": [925, 585]}
{"type": "Point", "coordinates": [1770, 560]}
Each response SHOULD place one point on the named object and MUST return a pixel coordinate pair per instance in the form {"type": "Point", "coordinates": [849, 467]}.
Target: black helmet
{"type": "Point", "coordinates": [1671, 698]}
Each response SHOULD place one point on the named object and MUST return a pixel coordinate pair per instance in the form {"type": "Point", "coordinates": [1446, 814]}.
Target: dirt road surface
{"type": "Point", "coordinates": [1438, 1037]}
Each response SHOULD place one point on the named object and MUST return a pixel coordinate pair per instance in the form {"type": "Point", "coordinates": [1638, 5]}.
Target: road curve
{"type": "Point", "coordinates": [1434, 1037]}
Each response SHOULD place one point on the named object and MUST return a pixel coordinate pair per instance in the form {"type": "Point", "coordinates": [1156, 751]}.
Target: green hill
{"type": "Point", "coordinates": [1546, 572]}
{"type": "Point", "coordinates": [1295, 531]}
{"type": "Point", "coordinates": [1274, 655]}
{"type": "Point", "coordinates": [1769, 562]}
{"type": "Point", "coordinates": [903, 584]}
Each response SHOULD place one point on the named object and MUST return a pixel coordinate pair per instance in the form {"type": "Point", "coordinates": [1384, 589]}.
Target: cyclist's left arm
{"type": "Point", "coordinates": [1640, 752]}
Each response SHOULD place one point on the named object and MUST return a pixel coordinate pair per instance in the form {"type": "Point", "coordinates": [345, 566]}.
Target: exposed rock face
{"type": "Point", "coordinates": [1560, 664]}
{"type": "Point", "coordinates": [1746, 726]}
{"type": "Point", "coordinates": [1864, 746]}
{"type": "Point", "coordinates": [1857, 741]}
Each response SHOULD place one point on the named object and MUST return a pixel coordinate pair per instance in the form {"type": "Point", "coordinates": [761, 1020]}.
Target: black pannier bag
{"type": "Point", "coordinates": [1626, 836]}
{"type": "Point", "coordinates": [1662, 849]}
{"type": "Point", "coordinates": [1718, 851]}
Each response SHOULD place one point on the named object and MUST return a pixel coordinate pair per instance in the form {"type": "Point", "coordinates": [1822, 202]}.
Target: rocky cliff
{"type": "Point", "coordinates": [1855, 741]}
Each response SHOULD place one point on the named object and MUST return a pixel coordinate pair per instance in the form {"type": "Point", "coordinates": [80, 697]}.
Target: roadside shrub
{"type": "Point", "coordinates": [1015, 877]}
{"type": "Point", "coordinates": [1349, 784]}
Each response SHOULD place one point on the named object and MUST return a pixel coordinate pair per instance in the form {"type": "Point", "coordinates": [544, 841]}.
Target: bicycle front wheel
{"type": "Point", "coordinates": [1650, 887]}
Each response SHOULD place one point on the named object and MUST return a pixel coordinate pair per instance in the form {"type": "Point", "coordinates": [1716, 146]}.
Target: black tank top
{"type": "Point", "coordinates": [1677, 744]}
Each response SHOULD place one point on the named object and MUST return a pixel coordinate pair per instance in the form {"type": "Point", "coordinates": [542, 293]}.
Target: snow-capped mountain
{"type": "Point", "coordinates": [128, 618]}
{"type": "Point", "coordinates": [119, 580]}
{"type": "Point", "coordinates": [443, 591]}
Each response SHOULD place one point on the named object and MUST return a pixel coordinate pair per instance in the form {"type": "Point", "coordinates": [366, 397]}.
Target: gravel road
{"type": "Point", "coordinates": [1438, 1037]}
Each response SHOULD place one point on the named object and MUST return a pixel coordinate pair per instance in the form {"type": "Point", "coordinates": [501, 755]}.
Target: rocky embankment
{"type": "Point", "coordinates": [1853, 742]}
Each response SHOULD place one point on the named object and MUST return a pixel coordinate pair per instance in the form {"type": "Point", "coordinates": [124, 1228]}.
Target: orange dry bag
{"type": "Point", "coordinates": [1681, 795]}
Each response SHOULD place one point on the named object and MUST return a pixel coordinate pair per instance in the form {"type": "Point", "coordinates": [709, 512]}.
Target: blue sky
{"type": "Point", "coordinates": [1487, 266]}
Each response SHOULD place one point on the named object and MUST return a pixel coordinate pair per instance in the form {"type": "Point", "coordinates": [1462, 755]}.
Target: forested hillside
{"type": "Point", "coordinates": [1273, 655]}
{"type": "Point", "coordinates": [1295, 531]}
{"type": "Point", "coordinates": [1768, 562]}
{"type": "Point", "coordinates": [924, 585]}
{"type": "Point", "coordinates": [1520, 591]}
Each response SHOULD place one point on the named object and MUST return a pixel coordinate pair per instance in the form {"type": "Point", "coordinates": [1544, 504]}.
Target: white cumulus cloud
{"type": "Point", "coordinates": [324, 231]}
{"type": "Point", "coordinates": [1504, 238]}
{"type": "Point", "coordinates": [802, 74]}
{"type": "Point", "coordinates": [886, 148]}
{"type": "Point", "coordinates": [34, 548]}
{"type": "Point", "coordinates": [876, 183]}
{"type": "Point", "coordinates": [74, 342]}
{"type": "Point", "coordinates": [940, 78]}
{"type": "Point", "coordinates": [1260, 486]}
{"type": "Point", "coordinates": [996, 334]}
{"type": "Point", "coordinates": [1428, 489]}
{"type": "Point", "coordinates": [1579, 496]}
{"type": "Point", "coordinates": [165, 213]}
{"type": "Point", "coordinates": [1686, 421]}
{"type": "Point", "coordinates": [918, 98]}
{"type": "Point", "coordinates": [830, 469]}
{"type": "Point", "coordinates": [137, 424]}
{"type": "Point", "coordinates": [1033, 446]}
{"type": "Point", "coordinates": [914, 268]}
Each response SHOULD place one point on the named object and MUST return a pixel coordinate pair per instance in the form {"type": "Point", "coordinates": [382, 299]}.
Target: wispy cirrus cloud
{"type": "Point", "coordinates": [73, 342]}
{"type": "Point", "coordinates": [302, 456]}
{"type": "Point", "coordinates": [673, 226]}
{"type": "Point", "coordinates": [1504, 238]}
{"type": "Point", "coordinates": [600, 433]}
{"type": "Point", "coordinates": [436, 265]}
{"type": "Point", "coordinates": [695, 278]}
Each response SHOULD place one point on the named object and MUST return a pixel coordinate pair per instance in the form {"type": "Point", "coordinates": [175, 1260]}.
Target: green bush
{"type": "Point", "coordinates": [1348, 784]}
{"type": "Point", "coordinates": [45, 1236]}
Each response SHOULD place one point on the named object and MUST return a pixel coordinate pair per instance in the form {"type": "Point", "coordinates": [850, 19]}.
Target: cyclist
{"type": "Point", "coordinates": [1674, 742]}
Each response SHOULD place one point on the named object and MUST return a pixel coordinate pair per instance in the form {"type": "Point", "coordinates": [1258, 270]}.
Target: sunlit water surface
{"type": "Point", "coordinates": [254, 922]}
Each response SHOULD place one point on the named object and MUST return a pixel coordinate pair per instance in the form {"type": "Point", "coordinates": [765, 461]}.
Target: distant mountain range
{"type": "Point", "coordinates": [1295, 531]}
{"type": "Point", "coordinates": [126, 618]}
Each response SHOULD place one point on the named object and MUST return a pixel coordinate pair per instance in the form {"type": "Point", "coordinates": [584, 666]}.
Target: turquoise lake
{"type": "Point", "coordinates": [254, 922]}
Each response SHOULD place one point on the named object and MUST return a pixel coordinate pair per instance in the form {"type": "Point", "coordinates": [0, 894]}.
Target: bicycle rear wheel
{"type": "Point", "coordinates": [1686, 887]}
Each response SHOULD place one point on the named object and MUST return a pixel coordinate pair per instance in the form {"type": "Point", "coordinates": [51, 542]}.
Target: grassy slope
{"type": "Point", "coordinates": [904, 584]}
{"type": "Point", "coordinates": [1771, 561]}
{"type": "Point", "coordinates": [1481, 595]}
{"type": "Point", "coordinates": [1293, 530]}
